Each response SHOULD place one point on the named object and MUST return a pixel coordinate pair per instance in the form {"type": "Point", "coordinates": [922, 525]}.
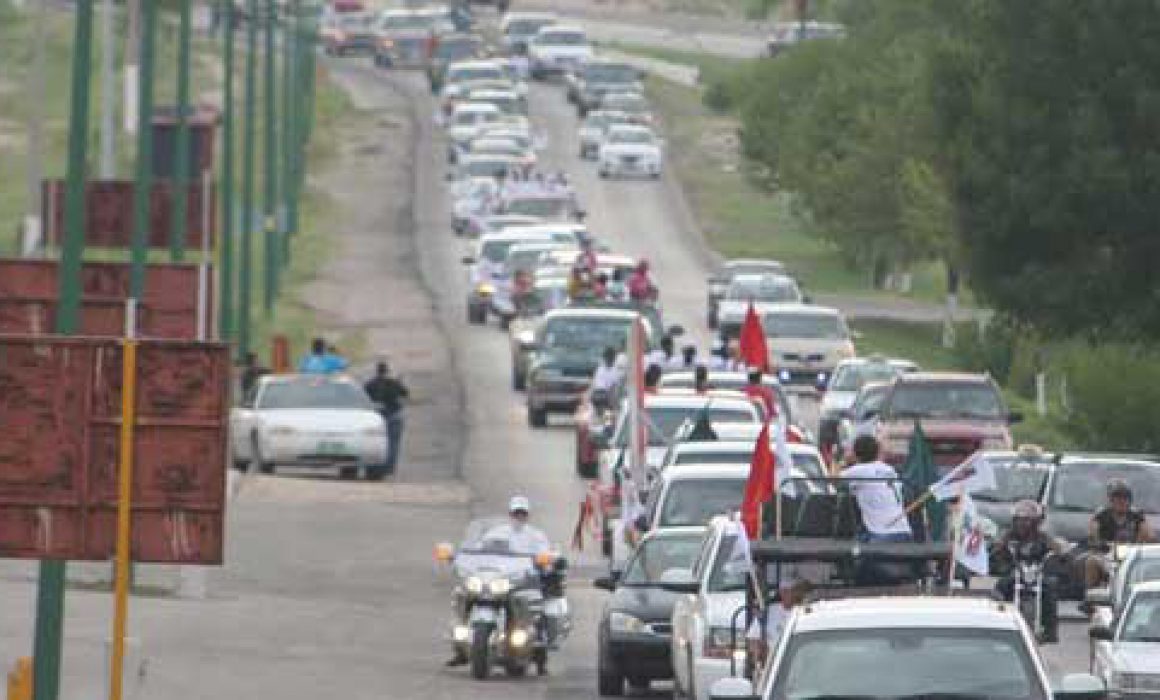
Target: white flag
{"type": "Point", "coordinates": [974, 474]}
{"type": "Point", "coordinates": [971, 548]}
{"type": "Point", "coordinates": [783, 460]}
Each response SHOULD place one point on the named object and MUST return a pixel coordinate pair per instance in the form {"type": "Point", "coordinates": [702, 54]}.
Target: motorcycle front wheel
{"type": "Point", "coordinates": [480, 652]}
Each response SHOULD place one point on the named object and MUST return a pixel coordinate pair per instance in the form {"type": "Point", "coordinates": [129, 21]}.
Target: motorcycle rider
{"type": "Point", "coordinates": [1024, 541]}
{"type": "Point", "coordinates": [1116, 523]}
{"type": "Point", "coordinates": [522, 538]}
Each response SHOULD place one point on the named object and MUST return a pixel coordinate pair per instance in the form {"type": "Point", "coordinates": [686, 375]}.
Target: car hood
{"type": "Point", "coordinates": [602, 87]}
{"type": "Point", "coordinates": [735, 309]}
{"type": "Point", "coordinates": [648, 603]}
{"type": "Point", "coordinates": [720, 608]}
{"type": "Point", "coordinates": [562, 51]}
{"type": "Point", "coordinates": [631, 149]}
{"type": "Point", "coordinates": [835, 401]}
{"type": "Point", "coordinates": [1136, 657]}
{"type": "Point", "coordinates": [344, 420]}
{"type": "Point", "coordinates": [948, 427]}
{"type": "Point", "coordinates": [565, 359]}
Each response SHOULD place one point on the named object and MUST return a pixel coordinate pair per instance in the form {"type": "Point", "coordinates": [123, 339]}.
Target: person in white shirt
{"type": "Point", "coordinates": [606, 380]}
{"type": "Point", "coordinates": [522, 538]}
{"type": "Point", "coordinates": [790, 592]}
{"type": "Point", "coordinates": [883, 516]}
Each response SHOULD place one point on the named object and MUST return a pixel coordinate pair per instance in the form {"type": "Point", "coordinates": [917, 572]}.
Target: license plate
{"type": "Point", "coordinates": [332, 448]}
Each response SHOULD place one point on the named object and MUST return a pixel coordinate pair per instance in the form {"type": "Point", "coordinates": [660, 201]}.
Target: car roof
{"type": "Point", "coordinates": [488, 158]}
{"type": "Point", "coordinates": [709, 446]}
{"type": "Point", "coordinates": [590, 312]}
{"type": "Point", "coordinates": [797, 309]}
{"type": "Point", "coordinates": [476, 107]}
{"type": "Point", "coordinates": [294, 378]}
{"type": "Point", "coordinates": [906, 612]}
{"type": "Point", "coordinates": [569, 28]}
{"type": "Point", "coordinates": [739, 262]}
{"type": "Point", "coordinates": [515, 16]}
{"type": "Point", "coordinates": [704, 470]}
{"type": "Point", "coordinates": [490, 92]}
{"type": "Point", "coordinates": [769, 276]}
{"type": "Point", "coordinates": [513, 234]}
{"type": "Point", "coordinates": [539, 228]}
{"type": "Point", "coordinates": [930, 377]}
{"type": "Point", "coordinates": [483, 63]}
{"type": "Point", "coordinates": [686, 375]}
{"type": "Point", "coordinates": [629, 127]}
{"type": "Point", "coordinates": [686, 400]}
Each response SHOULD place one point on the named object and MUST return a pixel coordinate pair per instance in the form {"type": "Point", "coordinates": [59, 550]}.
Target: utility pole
{"type": "Point", "coordinates": [245, 281]}
{"type": "Point", "coordinates": [132, 66]}
{"type": "Point", "coordinates": [226, 243]}
{"type": "Point", "coordinates": [46, 655]}
{"type": "Point", "coordinates": [270, 154]}
{"type": "Point", "coordinates": [289, 90]}
{"type": "Point", "coordinates": [33, 242]}
{"type": "Point", "coordinates": [181, 168]}
{"type": "Point", "coordinates": [108, 146]}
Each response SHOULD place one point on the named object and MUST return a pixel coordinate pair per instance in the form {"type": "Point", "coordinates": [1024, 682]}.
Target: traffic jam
{"type": "Point", "coordinates": [779, 515]}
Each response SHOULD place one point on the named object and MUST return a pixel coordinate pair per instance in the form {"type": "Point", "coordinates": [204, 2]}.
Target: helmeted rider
{"type": "Point", "coordinates": [1025, 542]}
{"type": "Point", "coordinates": [522, 538]}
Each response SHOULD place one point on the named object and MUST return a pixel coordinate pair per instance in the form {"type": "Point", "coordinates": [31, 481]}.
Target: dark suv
{"type": "Point", "coordinates": [595, 78]}
{"type": "Point", "coordinates": [960, 414]}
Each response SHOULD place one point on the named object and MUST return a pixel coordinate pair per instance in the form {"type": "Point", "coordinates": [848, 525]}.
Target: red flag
{"type": "Point", "coordinates": [761, 485]}
{"type": "Point", "coordinates": [753, 353]}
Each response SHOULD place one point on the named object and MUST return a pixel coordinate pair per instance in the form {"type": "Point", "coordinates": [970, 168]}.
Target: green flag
{"type": "Point", "coordinates": [920, 472]}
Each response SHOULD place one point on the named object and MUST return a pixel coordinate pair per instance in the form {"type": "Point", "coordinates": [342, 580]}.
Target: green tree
{"type": "Point", "coordinates": [1047, 112]}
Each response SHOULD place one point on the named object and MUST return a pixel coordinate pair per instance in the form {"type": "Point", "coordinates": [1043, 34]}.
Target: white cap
{"type": "Point", "coordinates": [519, 503]}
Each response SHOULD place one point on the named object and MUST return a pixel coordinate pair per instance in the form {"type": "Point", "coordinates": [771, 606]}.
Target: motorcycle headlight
{"type": "Point", "coordinates": [474, 585]}
{"type": "Point", "coordinates": [486, 289]}
{"type": "Point", "coordinates": [623, 622]}
{"type": "Point", "coordinates": [526, 337]}
{"type": "Point", "coordinates": [499, 586]}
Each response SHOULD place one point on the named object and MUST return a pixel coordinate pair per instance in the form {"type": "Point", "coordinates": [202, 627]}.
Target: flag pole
{"type": "Point", "coordinates": [956, 535]}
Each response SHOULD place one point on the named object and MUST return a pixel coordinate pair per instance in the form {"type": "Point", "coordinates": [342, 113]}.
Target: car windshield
{"type": "Point", "coordinates": [767, 290]}
{"type": "Point", "coordinates": [486, 168]}
{"type": "Point", "coordinates": [819, 326]}
{"type": "Point", "coordinates": [730, 567]}
{"type": "Point", "coordinates": [509, 105]}
{"type": "Point", "coordinates": [1082, 486]}
{"type": "Point", "coordinates": [593, 334]}
{"type": "Point", "coordinates": [524, 141]}
{"type": "Point", "coordinates": [527, 27]}
{"type": "Point", "coordinates": [353, 22]}
{"type": "Point", "coordinates": [657, 555]}
{"type": "Point", "coordinates": [626, 103]}
{"type": "Point", "coordinates": [524, 259]}
{"type": "Point", "coordinates": [542, 207]}
{"type": "Point", "coordinates": [696, 501]}
{"type": "Point", "coordinates": [663, 421]}
{"type": "Point", "coordinates": [1142, 620]}
{"type": "Point", "coordinates": [869, 401]}
{"type": "Point", "coordinates": [472, 117]}
{"type": "Point", "coordinates": [496, 146]}
{"type": "Point", "coordinates": [609, 73]}
{"type": "Point", "coordinates": [463, 74]}
{"type": "Point", "coordinates": [562, 39]}
{"type": "Point", "coordinates": [1014, 481]}
{"type": "Point", "coordinates": [630, 136]}
{"type": "Point", "coordinates": [946, 400]}
{"type": "Point", "coordinates": [313, 393]}
{"type": "Point", "coordinates": [751, 268]}
{"type": "Point", "coordinates": [851, 377]}
{"type": "Point", "coordinates": [455, 49]}
{"type": "Point", "coordinates": [960, 662]}
{"type": "Point", "coordinates": [601, 120]}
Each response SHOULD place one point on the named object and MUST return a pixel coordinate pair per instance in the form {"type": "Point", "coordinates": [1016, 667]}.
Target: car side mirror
{"type": "Point", "coordinates": [1100, 632]}
{"type": "Point", "coordinates": [1080, 686]}
{"type": "Point", "coordinates": [607, 583]}
{"type": "Point", "coordinates": [1014, 417]}
{"type": "Point", "coordinates": [732, 688]}
{"type": "Point", "coordinates": [676, 330]}
{"type": "Point", "coordinates": [467, 260]}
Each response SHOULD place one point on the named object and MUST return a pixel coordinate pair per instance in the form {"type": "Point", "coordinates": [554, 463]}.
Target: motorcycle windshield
{"type": "Point", "coordinates": [485, 551]}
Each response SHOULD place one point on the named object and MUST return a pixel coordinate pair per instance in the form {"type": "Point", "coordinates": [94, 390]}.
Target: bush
{"type": "Point", "coordinates": [718, 97]}
{"type": "Point", "coordinates": [1114, 396]}
{"type": "Point", "coordinates": [993, 351]}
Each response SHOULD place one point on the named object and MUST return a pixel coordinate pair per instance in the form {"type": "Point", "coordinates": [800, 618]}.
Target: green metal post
{"type": "Point", "coordinates": [48, 638]}
{"type": "Point", "coordinates": [177, 227]}
{"type": "Point", "coordinates": [270, 159]}
{"type": "Point", "coordinates": [144, 168]}
{"type": "Point", "coordinates": [249, 131]}
{"type": "Point", "coordinates": [226, 241]}
{"type": "Point", "coordinates": [289, 88]}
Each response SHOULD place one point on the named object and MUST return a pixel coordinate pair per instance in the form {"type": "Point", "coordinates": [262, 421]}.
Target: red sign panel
{"type": "Point", "coordinates": [109, 214]}
{"type": "Point", "coordinates": [170, 307]}
{"type": "Point", "coordinates": [60, 405]}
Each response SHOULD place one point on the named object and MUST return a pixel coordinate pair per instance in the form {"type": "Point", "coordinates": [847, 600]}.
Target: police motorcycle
{"type": "Point", "coordinates": [510, 607]}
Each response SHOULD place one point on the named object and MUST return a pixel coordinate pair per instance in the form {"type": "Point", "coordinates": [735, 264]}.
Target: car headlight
{"type": "Point", "coordinates": [526, 337]}
{"type": "Point", "coordinates": [474, 585]}
{"type": "Point", "coordinates": [281, 430]}
{"type": "Point", "coordinates": [499, 586]}
{"type": "Point", "coordinates": [784, 375]}
{"type": "Point", "coordinates": [623, 622]}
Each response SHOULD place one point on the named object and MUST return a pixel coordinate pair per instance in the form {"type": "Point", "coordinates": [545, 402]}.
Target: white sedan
{"type": "Point", "coordinates": [629, 149]}
{"type": "Point", "coordinates": [309, 421]}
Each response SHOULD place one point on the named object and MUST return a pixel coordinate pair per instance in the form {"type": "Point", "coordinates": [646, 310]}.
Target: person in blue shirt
{"type": "Point", "coordinates": [321, 360]}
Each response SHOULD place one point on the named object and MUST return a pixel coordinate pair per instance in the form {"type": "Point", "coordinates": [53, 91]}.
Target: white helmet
{"type": "Point", "coordinates": [519, 503]}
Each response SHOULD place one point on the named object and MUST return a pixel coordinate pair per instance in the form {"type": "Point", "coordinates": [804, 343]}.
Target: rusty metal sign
{"type": "Point", "coordinates": [170, 308]}
{"type": "Point", "coordinates": [109, 213]}
{"type": "Point", "coordinates": [59, 451]}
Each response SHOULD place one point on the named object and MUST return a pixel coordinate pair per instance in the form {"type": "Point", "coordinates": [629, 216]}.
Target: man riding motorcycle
{"type": "Point", "coordinates": [1116, 523]}
{"type": "Point", "coordinates": [1025, 542]}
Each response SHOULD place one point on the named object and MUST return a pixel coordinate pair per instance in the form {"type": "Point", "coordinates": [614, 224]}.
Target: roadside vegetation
{"type": "Point", "coordinates": [927, 141]}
